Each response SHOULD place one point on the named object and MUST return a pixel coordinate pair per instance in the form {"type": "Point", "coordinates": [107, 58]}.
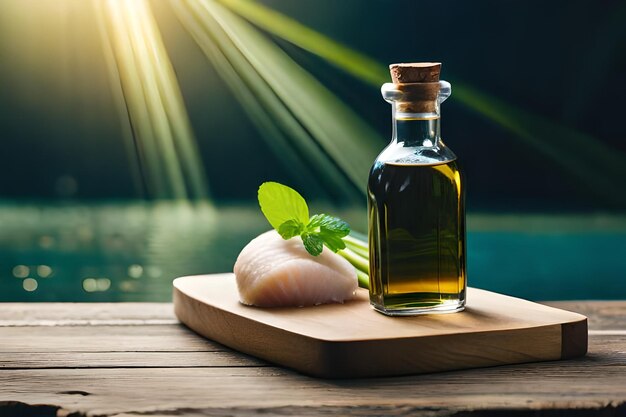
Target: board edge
{"type": "Point", "coordinates": [317, 348]}
{"type": "Point", "coordinates": [330, 363]}
{"type": "Point", "coordinates": [574, 339]}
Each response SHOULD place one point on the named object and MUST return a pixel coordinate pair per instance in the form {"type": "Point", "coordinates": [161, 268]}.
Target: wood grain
{"type": "Point", "coordinates": [351, 340]}
{"type": "Point", "coordinates": [168, 338]}
{"type": "Point", "coordinates": [93, 314]}
{"type": "Point", "coordinates": [50, 360]}
{"type": "Point", "coordinates": [603, 315]}
{"type": "Point", "coordinates": [547, 384]}
{"type": "Point", "coordinates": [594, 385]}
{"type": "Point", "coordinates": [65, 353]}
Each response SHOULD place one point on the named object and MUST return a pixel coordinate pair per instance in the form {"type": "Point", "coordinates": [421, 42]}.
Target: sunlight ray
{"type": "Point", "coordinates": [257, 101]}
{"type": "Point", "coordinates": [582, 156]}
{"type": "Point", "coordinates": [161, 128]}
{"type": "Point", "coordinates": [343, 136]}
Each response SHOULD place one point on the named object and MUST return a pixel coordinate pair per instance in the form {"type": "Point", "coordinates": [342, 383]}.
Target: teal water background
{"type": "Point", "coordinates": [132, 251]}
{"type": "Point", "coordinates": [111, 112]}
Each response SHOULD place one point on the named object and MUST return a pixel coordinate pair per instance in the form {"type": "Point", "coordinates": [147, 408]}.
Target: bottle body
{"type": "Point", "coordinates": [416, 209]}
{"type": "Point", "coordinates": [417, 237]}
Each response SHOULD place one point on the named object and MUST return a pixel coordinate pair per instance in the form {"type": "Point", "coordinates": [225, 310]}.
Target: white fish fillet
{"type": "Point", "coordinates": [273, 272]}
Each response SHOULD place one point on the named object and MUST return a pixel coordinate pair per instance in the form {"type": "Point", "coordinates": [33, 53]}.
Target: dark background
{"type": "Point", "coordinates": [563, 61]}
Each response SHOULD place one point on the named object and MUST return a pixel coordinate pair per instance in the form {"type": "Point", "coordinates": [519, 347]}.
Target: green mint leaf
{"type": "Point", "coordinates": [280, 204]}
{"type": "Point", "coordinates": [312, 243]}
{"type": "Point", "coordinates": [332, 240]}
{"type": "Point", "coordinates": [315, 221]}
{"type": "Point", "coordinates": [328, 223]}
{"type": "Point", "coordinates": [290, 229]}
{"type": "Point", "coordinates": [288, 213]}
{"type": "Point", "coordinates": [330, 230]}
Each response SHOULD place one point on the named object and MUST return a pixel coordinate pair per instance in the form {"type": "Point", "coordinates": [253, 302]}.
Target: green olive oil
{"type": "Point", "coordinates": [418, 232]}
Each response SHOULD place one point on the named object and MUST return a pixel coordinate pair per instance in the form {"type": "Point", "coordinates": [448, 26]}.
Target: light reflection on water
{"type": "Point", "coordinates": [113, 251]}
{"type": "Point", "coordinates": [117, 251]}
{"type": "Point", "coordinates": [132, 251]}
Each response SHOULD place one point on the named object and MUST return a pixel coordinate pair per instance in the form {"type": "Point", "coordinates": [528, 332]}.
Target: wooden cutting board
{"type": "Point", "coordinates": [352, 340]}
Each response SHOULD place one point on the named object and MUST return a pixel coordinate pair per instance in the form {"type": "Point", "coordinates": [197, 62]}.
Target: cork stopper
{"type": "Point", "coordinates": [416, 72]}
{"type": "Point", "coordinates": [419, 83]}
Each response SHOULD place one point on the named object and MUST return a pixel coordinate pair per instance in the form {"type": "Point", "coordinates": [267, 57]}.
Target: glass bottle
{"type": "Point", "coordinates": [416, 203]}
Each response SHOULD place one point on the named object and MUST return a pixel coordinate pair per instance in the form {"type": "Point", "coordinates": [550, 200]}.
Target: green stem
{"type": "Point", "coordinates": [364, 253]}
{"type": "Point", "coordinates": [357, 254]}
{"type": "Point", "coordinates": [359, 262]}
{"type": "Point", "coordinates": [358, 243]}
{"type": "Point", "coordinates": [364, 279]}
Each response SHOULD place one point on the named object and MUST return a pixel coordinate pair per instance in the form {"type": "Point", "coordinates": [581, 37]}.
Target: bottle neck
{"type": "Point", "coordinates": [416, 130]}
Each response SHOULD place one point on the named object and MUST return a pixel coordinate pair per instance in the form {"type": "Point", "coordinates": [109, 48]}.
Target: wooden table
{"type": "Point", "coordinates": [132, 359]}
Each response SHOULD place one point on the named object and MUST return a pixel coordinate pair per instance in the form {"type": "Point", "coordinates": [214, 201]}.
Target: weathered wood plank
{"type": "Point", "coordinates": [570, 384]}
{"type": "Point", "coordinates": [149, 338]}
{"type": "Point", "coordinates": [49, 360]}
{"type": "Point", "coordinates": [193, 355]}
{"type": "Point", "coordinates": [35, 314]}
{"type": "Point", "coordinates": [389, 411]}
{"type": "Point", "coordinates": [594, 385]}
{"type": "Point", "coordinates": [609, 410]}
{"type": "Point", "coordinates": [602, 314]}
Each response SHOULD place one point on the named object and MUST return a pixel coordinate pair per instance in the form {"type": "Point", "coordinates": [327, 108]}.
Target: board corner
{"type": "Point", "coordinates": [574, 339]}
